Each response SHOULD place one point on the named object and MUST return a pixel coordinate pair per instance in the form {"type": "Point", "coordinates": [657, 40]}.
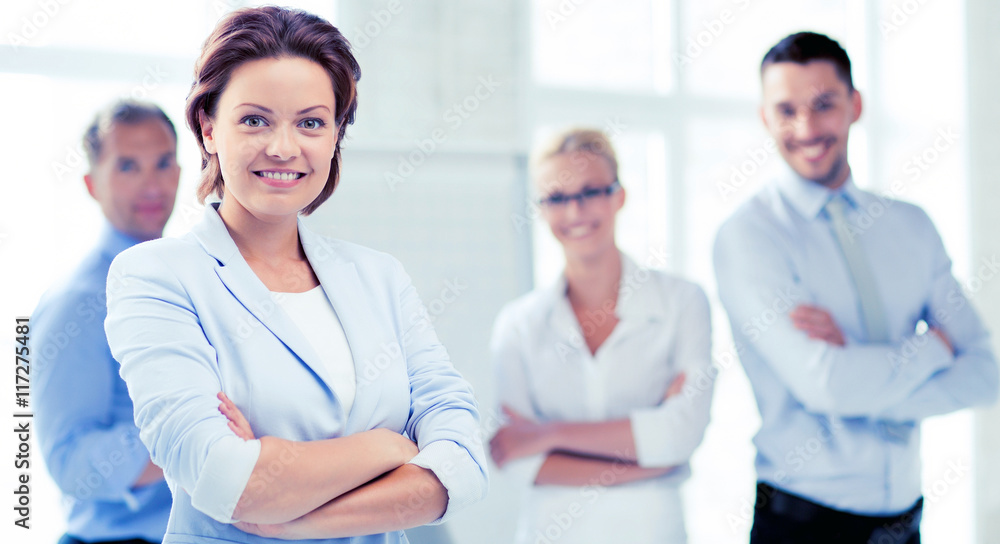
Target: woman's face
{"type": "Point", "coordinates": [274, 134]}
{"type": "Point", "coordinates": [584, 226]}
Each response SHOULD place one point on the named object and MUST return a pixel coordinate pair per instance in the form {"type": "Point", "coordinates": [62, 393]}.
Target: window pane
{"type": "Point", "coordinates": [164, 28]}
{"type": "Point", "coordinates": [176, 28]}
{"type": "Point", "coordinates": [723, 41]}
{"type": "Point", "coordinates": [604, 45]}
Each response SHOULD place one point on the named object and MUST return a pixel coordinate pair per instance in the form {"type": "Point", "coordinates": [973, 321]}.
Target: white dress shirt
{"type": "Point", "coordinates": [840, 424]}
{"type": "Point", "coordinates": [547, 373]}
{"type": "Point", "coordinates": [314, 315]}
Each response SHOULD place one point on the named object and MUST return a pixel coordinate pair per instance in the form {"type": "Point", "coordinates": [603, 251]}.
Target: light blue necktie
{"type": "Point", "coordinates": [872, 308]}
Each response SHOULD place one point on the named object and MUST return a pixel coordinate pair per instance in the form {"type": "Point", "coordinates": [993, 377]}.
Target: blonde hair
{"type": "Point", "coordinates": [576, 140]}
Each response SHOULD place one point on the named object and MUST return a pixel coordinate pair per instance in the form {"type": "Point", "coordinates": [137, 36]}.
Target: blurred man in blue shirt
{"type": "Point", "coordinates": [82, 407]}
{"type": "Point", "coordinates": [847, 318]}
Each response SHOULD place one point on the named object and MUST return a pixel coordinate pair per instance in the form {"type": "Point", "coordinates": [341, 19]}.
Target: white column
{"type": "Point", "coordinates": [983, 50]}
{"type": "Point", "coordinates": [434, 175]}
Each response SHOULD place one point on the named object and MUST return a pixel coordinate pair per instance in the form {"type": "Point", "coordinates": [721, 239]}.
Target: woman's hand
{"type": "Point", "coordinates": [676, 386]}
{"type": "Point", "coordinates": [520, 437]}
{"type": "Point", "coordinates": [406, 448]}
{"type": "Point", "coordinates": [237, 422]}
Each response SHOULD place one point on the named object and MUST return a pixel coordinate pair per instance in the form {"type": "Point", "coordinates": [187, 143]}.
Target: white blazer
{"type": "Point", "coordinates": [188, 317]}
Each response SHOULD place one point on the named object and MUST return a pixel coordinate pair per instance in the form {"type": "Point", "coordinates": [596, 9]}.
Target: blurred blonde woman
{"type": "Point", "coordinates": [592, 370]}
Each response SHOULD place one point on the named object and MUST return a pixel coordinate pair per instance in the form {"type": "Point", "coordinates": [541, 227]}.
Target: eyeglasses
{"type": "Point", "coordinates": [587, 195]}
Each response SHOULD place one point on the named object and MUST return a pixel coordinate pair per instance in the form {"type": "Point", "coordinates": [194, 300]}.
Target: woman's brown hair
{"type": "Point", "coordinates": [270, 32]}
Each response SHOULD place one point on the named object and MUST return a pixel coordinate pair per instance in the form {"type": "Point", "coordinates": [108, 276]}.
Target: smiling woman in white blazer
{"type": "Point", "coordinates": [365, 428]}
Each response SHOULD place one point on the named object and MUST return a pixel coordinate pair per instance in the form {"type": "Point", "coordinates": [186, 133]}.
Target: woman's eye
{"type": "Point", "coordinates": [253, 121]}
{"type": "Point", "coordinates": [312, 124]}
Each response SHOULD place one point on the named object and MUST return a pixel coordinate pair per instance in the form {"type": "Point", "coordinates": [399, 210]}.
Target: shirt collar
{"type": "Point", "coordinates": [808, 197]}
{"type": "Point", "coordinates": [632, 306]}
{"type": "Point", "coordinates": [114, 241]}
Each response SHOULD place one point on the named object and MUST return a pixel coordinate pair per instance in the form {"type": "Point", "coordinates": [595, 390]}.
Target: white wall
{"type": "Point", "coordinates": [433, 171]}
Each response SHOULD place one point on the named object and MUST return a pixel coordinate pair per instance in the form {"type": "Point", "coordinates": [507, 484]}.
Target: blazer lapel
{"type": "Point", "coordinates": [340, 280]}
{"type": "Point", "coordinates": [247, 288]}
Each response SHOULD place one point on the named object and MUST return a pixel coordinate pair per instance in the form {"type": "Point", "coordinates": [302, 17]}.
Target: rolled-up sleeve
{"type": "Point", "coordinates": [667, 435]}
{"type": "Point", "coordinates": [444, 416]}
{"type": "Point", "coordinates": [173, 379]}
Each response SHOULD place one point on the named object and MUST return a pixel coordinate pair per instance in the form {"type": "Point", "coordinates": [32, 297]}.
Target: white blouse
{"type": "Point", "coordinates": [314, 315]}
{"type": "Point", "coordinates": [546, 372]}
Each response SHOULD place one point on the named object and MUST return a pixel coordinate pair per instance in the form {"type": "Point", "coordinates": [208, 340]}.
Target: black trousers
{"type": "Point", "coordinates": [783, 518]}
{"type": "Point", "coordinates": [66, 539]}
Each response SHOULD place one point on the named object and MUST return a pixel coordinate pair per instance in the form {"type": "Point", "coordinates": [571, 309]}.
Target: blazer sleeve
{"type": "Point", "coordinates": [444, 416]}
{"type": "Point", "coordinates": [172, 375]}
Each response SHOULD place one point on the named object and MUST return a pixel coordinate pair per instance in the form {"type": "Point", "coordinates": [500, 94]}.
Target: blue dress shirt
{"type": "Point", "coordinates": [188, 317]}
{"type": "Point", "coordinates": [83, 411]}
{"type": "Point", "coordinates": [840, 425]}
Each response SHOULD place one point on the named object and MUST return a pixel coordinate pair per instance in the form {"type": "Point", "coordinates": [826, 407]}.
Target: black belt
{"type": "Point", "coordinates": [67, 539]}
{"type": "Point", "coordinates": [799, 509]}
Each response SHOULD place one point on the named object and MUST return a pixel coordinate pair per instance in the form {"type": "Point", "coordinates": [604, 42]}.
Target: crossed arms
{"type": "Point", "coordinates": [948, 367]}
{"type": "Point", "coordinates": [318, 499]}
